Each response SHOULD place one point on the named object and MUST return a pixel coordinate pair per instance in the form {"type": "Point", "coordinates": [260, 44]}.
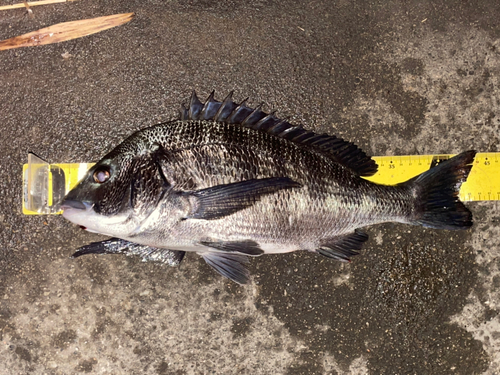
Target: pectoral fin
{"type": "Point", "coordinates": [222, 200]}
{"type": "Point", "coordinates": [118, 246]}
{"type": "Point", "coordinates": [343, 247]}
{"type": "Point", "coordinates": [229, 265]}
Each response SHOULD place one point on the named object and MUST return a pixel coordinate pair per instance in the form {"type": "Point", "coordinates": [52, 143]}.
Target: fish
{"type": "Point", "coordinates": [230, 182]}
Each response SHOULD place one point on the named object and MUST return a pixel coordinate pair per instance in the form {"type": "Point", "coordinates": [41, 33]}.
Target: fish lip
{"type": "Point", "coordinates": [69, 204]}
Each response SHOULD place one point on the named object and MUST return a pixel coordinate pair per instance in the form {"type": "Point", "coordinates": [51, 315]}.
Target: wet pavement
{"type": "Point", "coordinates": [417, 78]}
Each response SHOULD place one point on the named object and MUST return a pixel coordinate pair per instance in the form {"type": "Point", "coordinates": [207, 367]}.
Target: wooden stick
{"type": "Point", "coordinates": [66, 31]}
{"type": "Point", "coordinates": [32, 4]}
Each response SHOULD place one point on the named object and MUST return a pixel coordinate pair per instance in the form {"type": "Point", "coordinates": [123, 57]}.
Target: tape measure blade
{"type": "Point", "coordinates": [483, 182]}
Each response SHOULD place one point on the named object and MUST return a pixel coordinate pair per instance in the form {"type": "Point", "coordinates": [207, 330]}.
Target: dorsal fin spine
{"type": "Point", "coordinates": [226, 108]}
{"type": "Point", "coordinates": [253, 118]}
{"type": "Point", "coordinates": [183, 113]}
{"type": "Point", "coordinates": [195, 107]}
{"type": "Point", "coordinates": [232, 119]}
{"type": "Point", "coordinates": [263, 120]}
{"type": "Point", "coordinates": [210, 108]}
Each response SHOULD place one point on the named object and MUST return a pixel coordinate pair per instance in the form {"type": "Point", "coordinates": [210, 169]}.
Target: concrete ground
{"type": "Point", "coordinates": [396, 78]}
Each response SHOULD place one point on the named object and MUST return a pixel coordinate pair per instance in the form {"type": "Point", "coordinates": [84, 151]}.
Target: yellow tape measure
{"type": "Point", "coordinates": [483, 183]}
{"type": "Point", "coordinates": [46, 184]}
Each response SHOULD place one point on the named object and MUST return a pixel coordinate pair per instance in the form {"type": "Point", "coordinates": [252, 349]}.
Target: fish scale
{"type": "Point", "coordinates": [228, 181]}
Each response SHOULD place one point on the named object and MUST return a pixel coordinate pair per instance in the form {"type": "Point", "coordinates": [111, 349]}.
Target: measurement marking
{"type": "Point", "coordinates": [482, 181]}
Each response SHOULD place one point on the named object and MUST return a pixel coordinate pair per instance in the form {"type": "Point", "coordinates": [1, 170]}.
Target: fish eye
{"type": "Point", "coordinates": [101, 175]}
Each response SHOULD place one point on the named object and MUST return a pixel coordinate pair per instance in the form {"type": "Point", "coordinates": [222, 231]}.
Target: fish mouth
{"type": "Point", "coordinates": [77, 212]}
{"type": "Point", "coordinates": [69, 204]}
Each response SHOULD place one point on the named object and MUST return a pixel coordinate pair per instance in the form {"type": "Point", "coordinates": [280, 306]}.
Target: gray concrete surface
{"type": "Point", "coordinates": [419, 77]}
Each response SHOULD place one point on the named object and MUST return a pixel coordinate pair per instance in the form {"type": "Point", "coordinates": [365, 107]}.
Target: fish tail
{"type": "Point", "coordinates": [437, 194]}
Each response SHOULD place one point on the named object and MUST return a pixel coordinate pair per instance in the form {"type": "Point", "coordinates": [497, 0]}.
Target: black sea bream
{"type": "Point", "coordinates": [227, 181]}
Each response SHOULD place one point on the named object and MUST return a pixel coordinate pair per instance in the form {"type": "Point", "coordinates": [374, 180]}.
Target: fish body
{"type": "Point", "coordinates": [227, 181]}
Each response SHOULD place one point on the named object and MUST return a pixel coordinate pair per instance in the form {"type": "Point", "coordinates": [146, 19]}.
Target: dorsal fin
{"type": "Point", "coordinates": [227, 111]}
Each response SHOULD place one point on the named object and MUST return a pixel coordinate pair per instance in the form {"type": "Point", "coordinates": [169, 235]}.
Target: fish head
{"type": "Point", "coordinates": [118, 192]}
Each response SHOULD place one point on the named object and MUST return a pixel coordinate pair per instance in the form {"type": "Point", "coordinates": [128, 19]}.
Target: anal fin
{"type": "Point", "coordinates": [344, 247]}
{"type": "Point", "coordinates": [229, 265]}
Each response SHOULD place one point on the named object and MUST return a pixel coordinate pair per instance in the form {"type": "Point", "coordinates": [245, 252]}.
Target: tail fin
{"type": "Point", "coordinates": [436, 192]}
